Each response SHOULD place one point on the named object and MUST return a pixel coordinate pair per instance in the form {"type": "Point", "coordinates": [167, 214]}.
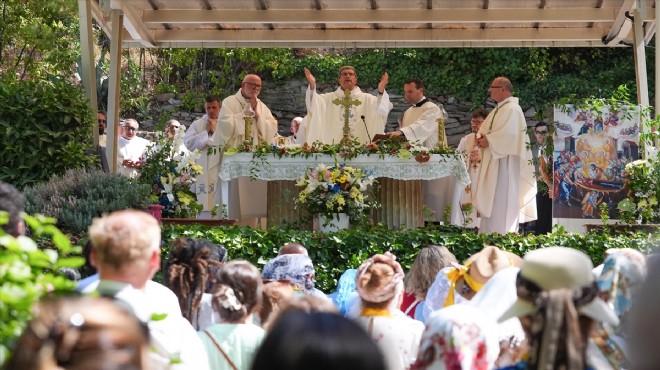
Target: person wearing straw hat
{"type": "Point", "coordinates": [557, 304]}
{"type": "Point", "coordinates": [459, 283]}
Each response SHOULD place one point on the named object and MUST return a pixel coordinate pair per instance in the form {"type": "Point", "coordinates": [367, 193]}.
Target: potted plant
{"type": "Point", "coordinates": [170, 170]}
{"type": "Point", "coordinates": [338, 195]}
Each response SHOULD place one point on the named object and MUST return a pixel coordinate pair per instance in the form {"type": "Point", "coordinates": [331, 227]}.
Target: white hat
{"type": "Point", "coordinates": [559, 268]}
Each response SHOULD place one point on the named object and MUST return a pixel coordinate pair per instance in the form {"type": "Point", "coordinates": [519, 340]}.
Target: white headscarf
{"type": "Point", "coordinates": [497, 295]}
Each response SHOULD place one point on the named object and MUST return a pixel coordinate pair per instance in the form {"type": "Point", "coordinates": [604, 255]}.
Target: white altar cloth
{"type": "Point", "coordinates": [288, 168]}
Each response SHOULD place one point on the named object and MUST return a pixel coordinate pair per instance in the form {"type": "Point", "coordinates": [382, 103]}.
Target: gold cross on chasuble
{"type": "Point", "coordinates": [347, 103]}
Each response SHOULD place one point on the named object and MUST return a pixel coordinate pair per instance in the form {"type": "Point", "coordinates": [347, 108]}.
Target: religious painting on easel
{"type": "Point", "coordinates": [591, 150]}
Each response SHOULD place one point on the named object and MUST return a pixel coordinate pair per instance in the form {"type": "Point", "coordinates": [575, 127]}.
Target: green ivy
{"type": "Point", "coordinates": [333, 253]}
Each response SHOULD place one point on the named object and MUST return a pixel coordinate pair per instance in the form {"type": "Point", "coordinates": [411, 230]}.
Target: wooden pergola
{"type": "Point", "coordinates": [362, 24]}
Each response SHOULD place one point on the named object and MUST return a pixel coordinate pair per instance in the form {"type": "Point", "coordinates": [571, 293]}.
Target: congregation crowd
{"type": "Point", "coordinates": [550, 309]}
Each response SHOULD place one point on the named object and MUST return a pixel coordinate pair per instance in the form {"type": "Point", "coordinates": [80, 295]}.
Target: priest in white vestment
{"type": "Point", "coordinates": [247, 199]}
{"type": "Point", "coordinates": [464, 195]}
{"type": "Point", "coordinates": [419, 123]}
{"type": "Point", "coordinates": [131, 149]}
{"type": "Point", "coordinates": [507, 186]}
{"type": "Point", "coordinates": [325, 119]}
{"type": "Point", "coordinates": [199, 136]}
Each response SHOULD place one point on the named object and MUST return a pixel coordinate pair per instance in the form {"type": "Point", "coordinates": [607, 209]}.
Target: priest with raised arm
{"type": "Point", "coordinates": [362, 115]}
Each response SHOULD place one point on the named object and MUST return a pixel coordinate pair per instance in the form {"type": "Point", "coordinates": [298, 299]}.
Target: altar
{"type": "Point", "coordinates": [401, 201]}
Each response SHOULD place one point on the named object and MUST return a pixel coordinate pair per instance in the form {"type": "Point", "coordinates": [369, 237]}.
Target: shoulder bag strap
{"type": "Point", "coordinates": [221, 350]}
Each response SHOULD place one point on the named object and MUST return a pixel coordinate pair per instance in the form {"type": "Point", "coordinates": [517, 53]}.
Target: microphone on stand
{"type": "Point", "coordinates": [365, 127]}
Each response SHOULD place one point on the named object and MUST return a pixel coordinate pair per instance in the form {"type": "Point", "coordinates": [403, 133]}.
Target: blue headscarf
{"type": "Point", "coordinates": [345, 288]}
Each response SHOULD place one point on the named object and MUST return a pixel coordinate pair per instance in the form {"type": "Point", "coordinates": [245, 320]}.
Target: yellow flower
{"type": "Point", "coordinates": [184, 198]}
{"type": "Point", "coordinates": [196, 167]}
{"type": "Point", "coordinates": [340, 200]}
{"type": "Point", "coordinates": [653, 201]}
{"type": "Point", "coordinates": [642, 203]}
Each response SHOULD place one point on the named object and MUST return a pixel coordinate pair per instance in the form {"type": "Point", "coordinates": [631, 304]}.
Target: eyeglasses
{"type": "Point", "coordinates": [102, 121]}
{"type": "Point", "coordinates": [129, 128]}
{"type": "Point", "coordinates": [254, 85]}
{"type": "Point", "coordinates": [542, 132]}
{"type": "Point", "coordinates": [495, 87]}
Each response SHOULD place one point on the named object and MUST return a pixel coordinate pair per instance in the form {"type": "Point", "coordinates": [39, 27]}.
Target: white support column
{"type": "Point", "coordinates": [117, 20]}
{"type": "Point", "coordinates": [88, 70]}
{"type": "Point", "coordinates": [640, 64]}
{"type": "Point", "coordinates": [640, 57]}
{"type": "Point", "coordinates": [657, 59]}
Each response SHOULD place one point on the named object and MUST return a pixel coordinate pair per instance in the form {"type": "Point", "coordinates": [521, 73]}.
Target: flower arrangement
{"type": "Point", "coordinates": [382, 148]}
{"type": "Point", "coordinates": [340, 189]}
{"type": "Point", "coordinates": [643, 180]}
{"type": "Point", "coordinates": [170, 170]}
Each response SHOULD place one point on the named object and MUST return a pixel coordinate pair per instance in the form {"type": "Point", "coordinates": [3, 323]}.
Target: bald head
{"type": "Point", "coordinates": [292, 248]}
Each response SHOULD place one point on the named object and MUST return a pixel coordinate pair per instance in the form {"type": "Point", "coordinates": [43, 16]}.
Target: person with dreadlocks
{"type": "Point", "coordinates": [190, 271]}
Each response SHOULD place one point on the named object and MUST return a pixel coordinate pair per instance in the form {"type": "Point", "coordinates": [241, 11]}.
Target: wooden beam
{"type": "Point", "coordinates": [100, 16]}
{"type": "Point", "coordinates": [640, 60]}
{"type": "Point", "coordinates": [376, 44]}
{"type": "Point", "coordinates": [133, 23]}
{"type": "Point", "coordinates": [383, 16]}
{"type": "Point", "coordinates": [621, 26]}
{"type": "Point", "coordinates": [393, 35]}
{"type": "Point", "coordinates": [114, 87]}
{"type": "Point", "coordinates": [88, 70]}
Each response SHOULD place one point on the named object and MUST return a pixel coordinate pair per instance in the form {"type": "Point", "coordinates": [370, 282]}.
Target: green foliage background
{"type": "Point", "coordinates": [333, 253]}
{"type": "Point", "coordinates": [45, 128]}
{"type": "Point", "coordinates": [540, 76]}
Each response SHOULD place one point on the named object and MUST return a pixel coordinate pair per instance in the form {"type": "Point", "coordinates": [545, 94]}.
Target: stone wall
{"type": "Point", "coordinates": [287, 100]}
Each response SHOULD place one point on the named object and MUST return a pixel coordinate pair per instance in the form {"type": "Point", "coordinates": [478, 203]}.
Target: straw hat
{"type": "Point", "coordinates": [488, 261]}
{"type": "Point", "coordinates": [560, 268]}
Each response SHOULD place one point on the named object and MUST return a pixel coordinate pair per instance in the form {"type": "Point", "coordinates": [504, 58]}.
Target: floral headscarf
{"type": "Point", "coordinates": [296, 268]}
{"type": "Point", "coordinates": [623, 272]}
{"type": "Point", "coordinates": [458, 337]}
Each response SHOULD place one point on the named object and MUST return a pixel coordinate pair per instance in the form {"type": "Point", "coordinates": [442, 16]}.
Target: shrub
{"type": "Point", "coordinates": [45, 129]}
{"type": "Point", "coordinates": [79, 196]}
{"type": "Point", "coordinates": [333, 253]}
{"type": "Point", "coordinates": [27, 273]}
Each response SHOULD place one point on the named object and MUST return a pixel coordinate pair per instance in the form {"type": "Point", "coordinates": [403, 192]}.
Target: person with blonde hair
{"type": "Point", "coordinates": [422, 273]}
{"type": "Point", "coordinates": [81, 333]}
{"type": "Point", "coordinates": [379, 282]}
{"type": "Point", "coordinates": [126, 252]}
{"type": "Point", "coordinates": [237, 294]}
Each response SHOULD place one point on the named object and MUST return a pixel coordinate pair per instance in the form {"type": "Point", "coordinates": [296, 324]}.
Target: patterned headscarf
{"type": "Point", "coordinates": [458, 337]}
{"type": "Point", "coordinates": [623, 272]}
{"type": "Point", "coordinates": [386, 292]}
{"type": "Point", "coordinates": [296, 268]}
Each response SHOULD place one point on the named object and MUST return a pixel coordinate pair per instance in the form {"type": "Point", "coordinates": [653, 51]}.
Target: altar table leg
{"type": "Point", "coordinates": [281, 196]}
{"type": "Point", "coordinates": [401, 203]}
